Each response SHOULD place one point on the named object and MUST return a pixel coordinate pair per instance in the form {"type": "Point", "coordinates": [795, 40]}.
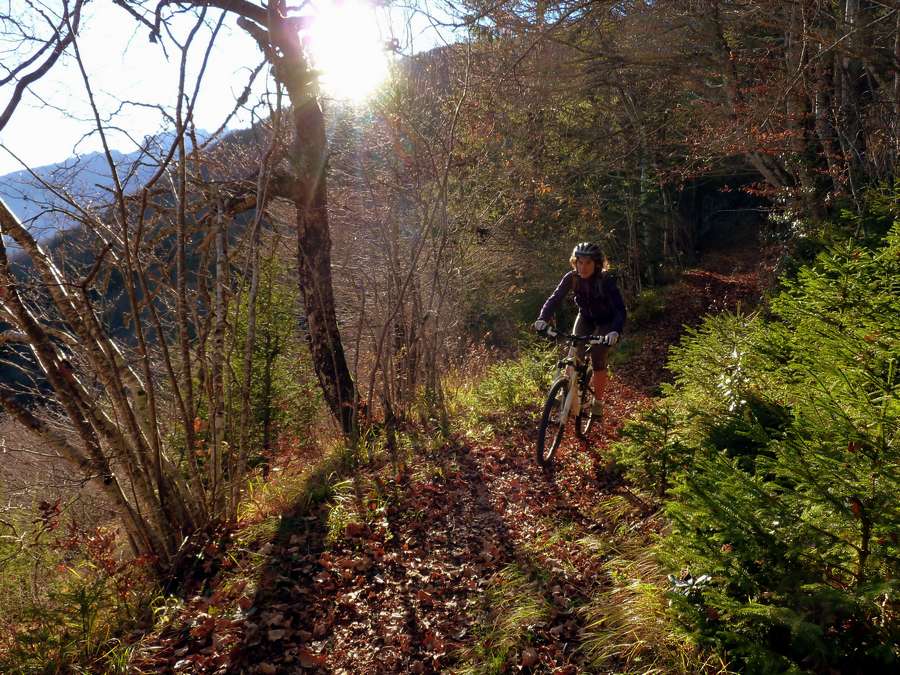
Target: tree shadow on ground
{"type": "Point", "coordinates": [404, 587]}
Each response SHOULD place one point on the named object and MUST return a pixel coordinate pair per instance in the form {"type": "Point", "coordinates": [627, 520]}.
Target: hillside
{"type": "Point", "coordinates": [452, 558]}
{"type": "Point", "coordinates": [277, 411]}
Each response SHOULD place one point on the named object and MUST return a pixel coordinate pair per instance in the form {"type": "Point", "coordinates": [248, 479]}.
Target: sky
{"type": "Point", "coordinates": [51, 122]}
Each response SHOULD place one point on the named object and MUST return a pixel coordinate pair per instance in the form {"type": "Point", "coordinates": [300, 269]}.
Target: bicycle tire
{"type": "Point", "coordinates": [556, 399]}
{"type": "Point", "coordinates": [585, 419]}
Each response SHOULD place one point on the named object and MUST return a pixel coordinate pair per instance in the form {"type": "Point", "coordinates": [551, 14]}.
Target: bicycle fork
{"type": "Point", "coordinates": [573, 400]}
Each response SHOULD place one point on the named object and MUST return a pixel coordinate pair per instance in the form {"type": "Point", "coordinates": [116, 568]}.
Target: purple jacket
{"type": "Point", "coordinates": [598, 299]}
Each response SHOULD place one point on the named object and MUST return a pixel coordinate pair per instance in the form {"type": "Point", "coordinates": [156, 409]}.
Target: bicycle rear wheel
{"type": "Point", "coordinates": [552, 427]}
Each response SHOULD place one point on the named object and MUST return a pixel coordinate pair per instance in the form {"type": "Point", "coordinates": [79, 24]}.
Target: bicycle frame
{"type": "Point", "coordinates": [569, 368]}
{"type": "Point", "coordinates": [573, 377]}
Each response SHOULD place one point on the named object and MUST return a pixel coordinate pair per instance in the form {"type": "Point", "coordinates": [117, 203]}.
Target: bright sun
{"type": "Point", "coordinates": [347, 46]}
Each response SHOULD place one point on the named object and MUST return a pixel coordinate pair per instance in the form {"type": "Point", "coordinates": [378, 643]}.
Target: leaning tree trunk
{"type": "Point", "coordinates": [314, 260]}
{"type": "Point", "coordinates": [280, 42]}
{"type": "Point", "coordinates": [112, 449]}
{"type": "Point", "coordinates": [276, 33]}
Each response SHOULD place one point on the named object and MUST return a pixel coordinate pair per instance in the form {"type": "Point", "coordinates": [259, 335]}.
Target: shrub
{"type": "Point", "coordinates": [66, 595]}
{"type": "Point", "coordinates": [648, 306]}
{"type": "Point", "coordinates": [652, 449]}
{"type": "Point", "coordinates": [783, 437]}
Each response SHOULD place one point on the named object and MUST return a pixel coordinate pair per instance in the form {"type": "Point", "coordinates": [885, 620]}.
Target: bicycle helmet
{"type": "Point", "coordinates": [588, 249]}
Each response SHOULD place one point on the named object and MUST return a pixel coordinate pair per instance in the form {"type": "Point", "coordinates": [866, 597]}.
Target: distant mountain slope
{"type": "Point", "coordinates": [30, 194]}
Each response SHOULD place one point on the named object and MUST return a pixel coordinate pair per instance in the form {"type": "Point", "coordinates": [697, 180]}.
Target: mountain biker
{"type": "Point", "coordinates": [601, 310]}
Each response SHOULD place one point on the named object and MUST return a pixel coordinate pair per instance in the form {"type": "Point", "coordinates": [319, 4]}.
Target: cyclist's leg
{"type": "Point", "coordinates": [600, 362]}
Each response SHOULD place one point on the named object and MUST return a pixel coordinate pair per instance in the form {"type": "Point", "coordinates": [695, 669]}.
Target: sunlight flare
{"type": "Point", "coordinates": [347, 47]}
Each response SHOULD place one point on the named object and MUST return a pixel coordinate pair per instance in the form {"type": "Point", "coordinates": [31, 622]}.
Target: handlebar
{"type": "Point", "coordinates": [567, 337]}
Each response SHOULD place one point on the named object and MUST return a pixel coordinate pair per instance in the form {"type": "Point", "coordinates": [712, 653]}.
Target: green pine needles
{"type": "Point", "coordinates": [778, 454]}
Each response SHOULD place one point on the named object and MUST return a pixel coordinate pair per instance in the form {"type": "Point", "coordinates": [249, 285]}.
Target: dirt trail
{"type": "Point", "coordinates": [414, 586]}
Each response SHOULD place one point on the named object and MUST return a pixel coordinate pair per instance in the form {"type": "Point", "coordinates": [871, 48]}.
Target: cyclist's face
{"type": "Point", "coordinates": [585, 266]}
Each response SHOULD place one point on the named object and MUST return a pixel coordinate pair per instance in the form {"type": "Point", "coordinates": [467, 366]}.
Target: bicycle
{"type": "Point", "coordinates": [570, 393]}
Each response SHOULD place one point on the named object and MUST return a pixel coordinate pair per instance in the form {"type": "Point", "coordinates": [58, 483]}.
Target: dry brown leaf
{"type": "Point", "coordinates": [355, 530]}
{"type": "Point", "coordinates": [310, 660]}
{"type": "Point", "coordinates": [529, 658]}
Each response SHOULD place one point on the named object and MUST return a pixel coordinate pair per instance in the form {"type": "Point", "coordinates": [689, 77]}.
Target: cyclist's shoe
{"type": "Point", "coordinates": [597, 410]}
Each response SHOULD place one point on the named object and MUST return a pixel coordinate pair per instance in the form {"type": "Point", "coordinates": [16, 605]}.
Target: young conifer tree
{"type": "Point", "coordinates": [790, 505]}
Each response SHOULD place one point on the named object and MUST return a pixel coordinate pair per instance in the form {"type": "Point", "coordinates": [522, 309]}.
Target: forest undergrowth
{"type": "Point", "coordinates": [460, 555]}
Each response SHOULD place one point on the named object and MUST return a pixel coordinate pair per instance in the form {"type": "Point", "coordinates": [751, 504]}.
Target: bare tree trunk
{"type": "Point", "coordinates": [314, 262]}
{"type": "Point", "coordinates": [280, 42]}
{"type": "Point", "coordinates": [894, 155]}
{"type": "Point", "coordinates": [253, 259]}
{"type": "Point", "coordinates": [187, 378]}
{"type": "Point", "coordinates": [155, 535]}
{"type": "Point", "coordinates": [217, 395]}
{"type": "Point", "coordinates": [848, 127]}
{"type": "Point", "coordinates": [796, 59]}
{"type": "Point", "coordinates": [821, 98]}
{"type": "Point", "coordinates": [187, 423]}
{"type": "Point", "coordinates": [768, 168]}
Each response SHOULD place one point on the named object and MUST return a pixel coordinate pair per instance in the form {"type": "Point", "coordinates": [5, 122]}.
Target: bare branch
{"type": "Point", "coordinates": [72, 21]}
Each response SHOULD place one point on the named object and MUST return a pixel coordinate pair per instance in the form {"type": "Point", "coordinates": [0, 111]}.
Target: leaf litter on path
{"type": "Point", "coordinates": [411, 591]}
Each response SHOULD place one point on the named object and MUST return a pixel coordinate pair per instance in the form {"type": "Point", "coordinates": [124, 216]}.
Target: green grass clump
{"type": "Point", "coordinates": [508, 393]}
{"type": "Point", "coordinates": [516, 605]}
{"type": "Point", "coordinates": [626, 626]}
{"type": "Point", "coordinates": [359, 500]}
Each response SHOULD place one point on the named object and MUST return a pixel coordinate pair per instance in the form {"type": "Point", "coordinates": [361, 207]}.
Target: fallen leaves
{"type": "Point", "coordinates": [276, 634]}
{"type": "Point", "coordinates": [354, 530]}
{"type": "Point", "coordinates": [406, 584]}
{"type": "Point", "coordinates": [308, 659]}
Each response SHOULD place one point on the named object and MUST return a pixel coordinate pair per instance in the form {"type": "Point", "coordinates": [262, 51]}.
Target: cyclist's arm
{"type": "Point", "coordinates": [556, 298]}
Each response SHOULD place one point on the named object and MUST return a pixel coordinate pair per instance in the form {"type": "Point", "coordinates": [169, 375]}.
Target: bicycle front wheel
{"type": "Point", "coordinates": [585, 419]}
{"type": "Point", "coordinates": [550, 432]}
